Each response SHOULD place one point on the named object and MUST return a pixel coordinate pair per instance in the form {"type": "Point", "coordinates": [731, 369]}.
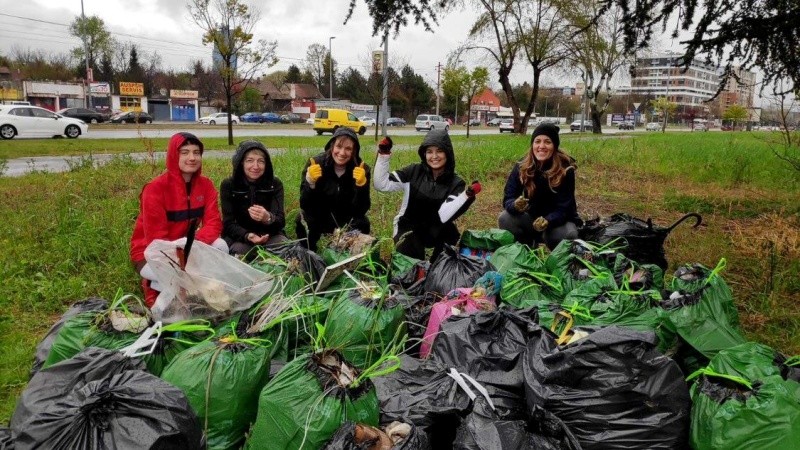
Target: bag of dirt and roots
{"type": "Point", "coordinates": [102, 399]}
{"type": "Point", "coordinates": [394, 436]}
{"type": "Point", "coordinates": [576, 262]}
{"type": "Point", "coordinates": [482, 243]}
{"type": "Point", "coordinates": [309, 399]}
{"type": "Point", "coordinates": [363, 323]}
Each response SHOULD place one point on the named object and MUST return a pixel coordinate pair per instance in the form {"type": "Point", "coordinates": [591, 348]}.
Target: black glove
{"type": "Point", "coordinates": [473, 189]}
{"type": "Point", "coordinates": [385, 146]}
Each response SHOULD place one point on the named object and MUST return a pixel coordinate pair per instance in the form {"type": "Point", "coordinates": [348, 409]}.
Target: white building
{"type": "Point", "coordinates": [658, 76]}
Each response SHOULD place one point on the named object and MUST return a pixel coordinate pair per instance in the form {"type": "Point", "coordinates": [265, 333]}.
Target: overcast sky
{"type": "Point", "coordinates": [165, 26]}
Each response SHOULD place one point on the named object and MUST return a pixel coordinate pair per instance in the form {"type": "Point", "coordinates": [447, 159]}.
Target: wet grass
{"type": "Point", "coordinates": [65, 236]}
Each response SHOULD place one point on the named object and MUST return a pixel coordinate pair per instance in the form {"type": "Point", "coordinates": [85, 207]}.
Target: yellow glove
{"type": "Point", "coordinates": [314, 171]}
{"type": "Point", "coordinates": [540, 224]}
{"type": "Point", "coordinates": [360, 175]}
{"type": "Point", "coordinates": [521, 204]}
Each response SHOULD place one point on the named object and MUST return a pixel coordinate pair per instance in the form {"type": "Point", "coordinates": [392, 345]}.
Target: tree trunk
{"type": "Point", "coordinates": [504, 81]}
{"type": "Point", "coordinates": [532, 103]}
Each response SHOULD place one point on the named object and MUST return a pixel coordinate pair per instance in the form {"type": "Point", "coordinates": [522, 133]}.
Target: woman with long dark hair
{"type": "Point", "coordinates": [539, 199]}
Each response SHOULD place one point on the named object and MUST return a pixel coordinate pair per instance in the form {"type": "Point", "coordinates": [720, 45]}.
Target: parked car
{"type": "Point", "coordinates": [292, 118]}
{"type": "Point", "coordinates": [494, 122]}
{"type": "Point", "coordinates": [395, 122]}
{"type": "Point", "coordinates": [329, 120]}
{"type": "Point", "coordinates": [218, 118]}
{"type": "Point", "coordinates": [310, 121]}
{"type": "Point", "coordinates": [368, 121]}
{"type": "Point", "coordinates": [652, 126]}
{"type": "Point", "coordinates": [699, 127]}
{"type": "Point", "coordinates": [32, 121]}
{"type": "Point", "coordinates": [251, 117]}
{"type": "Point", "coordinates": [726, 128]}
{"type": "Point", "coordinates": [430, 122]}
{"type": "Point", "coordinates": [626, 125]}
{"type": "Point", "coordinates": [270, 117]}
{"type": "Point", "coordinates": [84, 114]}
{"type": "Point", "coordinates": [132, 117]}
{"type": "Point", "coordinates": [506, 125]}
{"type": "Point", "coordinates": [576, 126]}
{"type": "Point", "coordinates": [473, 123]}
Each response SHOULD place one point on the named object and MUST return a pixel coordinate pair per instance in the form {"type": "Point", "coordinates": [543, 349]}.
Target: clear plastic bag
{"type": "Point", "coordinates": [213, 284]}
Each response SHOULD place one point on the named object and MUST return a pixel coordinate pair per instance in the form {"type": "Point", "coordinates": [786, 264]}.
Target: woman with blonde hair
{"type": "Point", "coordinates": [539, 199]}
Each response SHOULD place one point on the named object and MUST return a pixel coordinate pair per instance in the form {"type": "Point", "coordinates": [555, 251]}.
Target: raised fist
{"type": "Point", "coordinates": [473, 189]}
{"type": "Point", "coordinates": [314, 171]}
{"type": "Point", "coordinates": [521, 204]}
{"type": "Point", "coordinates": [385, 146]}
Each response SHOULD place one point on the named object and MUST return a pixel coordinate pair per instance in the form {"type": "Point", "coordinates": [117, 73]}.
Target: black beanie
{"type": "Point", "coordinates": [549, 130]}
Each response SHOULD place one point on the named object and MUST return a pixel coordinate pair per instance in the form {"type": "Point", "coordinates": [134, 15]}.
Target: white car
{"type": "Point", "coordinates": [652, 126]}
{"type": "Point", "coordinates": [32, 121]}
{"type": "Point", "coordinates": [506, 125]}
{"type": "Point", "coordinates": [368, 121]}
{"type": "Point", "coordinates": [218, 118]}
{"type": "Point", "coordinates": [431, 122]}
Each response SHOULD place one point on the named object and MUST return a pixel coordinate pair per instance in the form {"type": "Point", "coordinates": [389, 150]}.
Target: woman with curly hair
{"type": "Point", "coordinates": [539, 199]}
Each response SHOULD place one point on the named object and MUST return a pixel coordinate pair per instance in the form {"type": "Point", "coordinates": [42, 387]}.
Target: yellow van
{"type": "Point", "coordinates": [328, 120]}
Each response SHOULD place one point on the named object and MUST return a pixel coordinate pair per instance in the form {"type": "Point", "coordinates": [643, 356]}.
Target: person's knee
{"type": "Point", "coordinates": [220, 245]}
{"type": "Point", "coordinates": [505, 221]}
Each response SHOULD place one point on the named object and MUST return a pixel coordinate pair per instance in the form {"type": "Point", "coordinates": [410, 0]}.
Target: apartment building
{"type": "Point", "coordinates": [659, 76]}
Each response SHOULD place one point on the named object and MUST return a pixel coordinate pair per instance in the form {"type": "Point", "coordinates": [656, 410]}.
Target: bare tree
{"type": "Point", "coordinates": [316, 58]}
{"type": "Point", "coordinates": [228, 26]}
{"type": "Point", "coordinates": [596, 51]}
{"type": "Point", "coordinates": [785, 105]}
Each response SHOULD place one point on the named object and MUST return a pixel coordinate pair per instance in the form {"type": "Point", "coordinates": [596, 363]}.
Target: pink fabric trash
{"type": "Point", "coordinates": [461, 301]}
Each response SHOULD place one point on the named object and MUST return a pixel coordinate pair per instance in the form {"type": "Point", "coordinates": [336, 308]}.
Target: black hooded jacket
{"type": "Point", "coordinates": [334, 200]}
{"type": "Point", "coordinates": [425, 195]}
{"type": "Point", "coordinates": [237, 194]}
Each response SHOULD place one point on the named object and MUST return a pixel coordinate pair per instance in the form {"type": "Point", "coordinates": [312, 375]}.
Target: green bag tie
{"type": "Point", "coordinates": [551, 281]}
{"type": "Point", "coordinates": [580, 311]}
{"type": "Point", "coordinates": [190, 326]}
{"type": "Point", "coordinates": [793, 361]}
{"type": "Point", "coordinates": [233, 339]}
{"type": "Point", "coordinates": [592, 268]}
{"type": "Point", "coordinates": [714, 273]}
{"type": "Point", "coordinates": [707, 371]}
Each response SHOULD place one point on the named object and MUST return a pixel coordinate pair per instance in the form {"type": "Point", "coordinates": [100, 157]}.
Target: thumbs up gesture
{"type": "Point", "coordinates": [314, 172]}
{"type": "Point", "coordinates": [360, 175]}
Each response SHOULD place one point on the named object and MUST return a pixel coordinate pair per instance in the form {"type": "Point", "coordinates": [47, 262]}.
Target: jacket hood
{"type": "Point", "coordinates": [238, 162]}
{"type": "Point", "coordinates": [177, 141]}
{"type": "Point", "coordinates": [344, 131]}
{"type": "Point", "coordinates": [441, 139]}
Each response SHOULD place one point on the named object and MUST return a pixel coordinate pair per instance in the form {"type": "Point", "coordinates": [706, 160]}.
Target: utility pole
{"type": "Point", "coordinates": [438, 82]}
{"type": "Point", "coordinates": [385, 100]}
{"type": "Point", "coordinates": [330, 68]}
{"type": "Point", "coordinates": [88, 98]}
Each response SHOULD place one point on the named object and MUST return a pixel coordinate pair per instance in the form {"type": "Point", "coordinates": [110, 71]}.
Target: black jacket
{"type": "Point", "coordinates": [557, 205]}
{"type": "Point", "coordinates": [334, 201]}
{"type": "Point", "coordinates": [237, 195]}
{"type": "Point", "coordinates": [424, 196]}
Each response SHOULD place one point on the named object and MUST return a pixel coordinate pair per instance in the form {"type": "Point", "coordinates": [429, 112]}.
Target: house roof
{"type": "Point", "coordinates": [302, 91]}
{"type": "Point", "coordinates": [268, 89]}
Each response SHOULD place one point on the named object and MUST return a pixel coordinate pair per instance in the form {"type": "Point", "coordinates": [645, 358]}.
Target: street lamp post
{"type": "Point", "coordinates": [88, 99]}
{"type": "Point", "coordinates": [330, 67]}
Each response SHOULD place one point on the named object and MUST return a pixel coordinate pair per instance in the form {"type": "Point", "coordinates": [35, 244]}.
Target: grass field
{"type": "Point", "coordinates": [65, 236]}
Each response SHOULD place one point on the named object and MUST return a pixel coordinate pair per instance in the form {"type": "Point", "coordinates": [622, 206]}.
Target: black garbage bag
{"type": "Point", "coordinates": [412, 279]}
{"type": "Point", "coordinates": [43, 349]}
{"type": "Point", "coordinates": [452, 271]}
{"type": "Point", "coordinates": [489, 346]}
{"type": "Point", "coordinates": [482, 429]}
{"type": "Point", "coordinates": [6, 443]}
{"type": "Point", "coordinates": [612, 388]}
{"type": "Point", "coordinates": [422, 393]}
{"type": "Point", "coordinates": [104, 407]}
{"type": "Point", "coordinates": [353, 436]}
{"type": "Point", "coordinates": [643, 242]}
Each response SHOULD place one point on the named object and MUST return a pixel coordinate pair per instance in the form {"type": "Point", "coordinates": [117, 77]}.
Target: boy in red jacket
{"type": "Point", "coordinates": [170, 202]}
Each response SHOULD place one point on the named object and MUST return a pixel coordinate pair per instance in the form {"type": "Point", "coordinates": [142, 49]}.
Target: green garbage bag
{"type": "Point", "coordinates": [702, 322]}
{"type": "Point", "coordinates": [222, 379]}
{"type": "Point", "coordinates": [634, 276]}
{"type": "Point", "coordinates": [696, 278]}
{"type": "Point", "coordinates": [363, 323]}
{"type": "Point", "coordinates": [517, 255]}
{"type": "Point", "coordinates": [401, 264]}
{"type": "Point", "coordinates": [307, 401]}
{"type": "Point", "coordinates": [754, 361]}
{"type": "Point", "coordinates": [490, 239]}
{"type": "Point", "coordinates": [70, 338]}
{"type": "Point", "coordinates": [576, 262]}
{"type": "Point", "coordinates": [523, 288]}
{"type": "Point", "coordinates": [731, 413]}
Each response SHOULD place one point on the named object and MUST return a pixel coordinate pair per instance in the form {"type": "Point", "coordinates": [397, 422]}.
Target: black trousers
{"type": "Point", "coordinates": [414, 242]}
{"type": "Point", "coordinates": [521, 226]}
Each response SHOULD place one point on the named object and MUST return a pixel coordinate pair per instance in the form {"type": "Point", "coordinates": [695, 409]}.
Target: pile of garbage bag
{"type": "Point", "coordinates": [493, 345]}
